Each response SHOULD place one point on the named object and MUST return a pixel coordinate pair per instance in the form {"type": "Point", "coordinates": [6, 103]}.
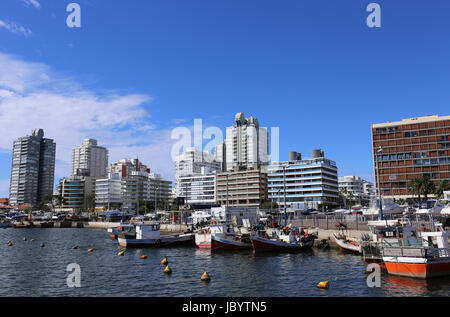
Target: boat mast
{"type": "Point", "coordinates": [380, 149]}
{"type": "Point", "coordinates": [284, 181]}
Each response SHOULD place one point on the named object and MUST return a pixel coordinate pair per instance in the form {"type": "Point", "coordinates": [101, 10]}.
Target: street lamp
{"type": "Point", "coordinates": [380, 149]}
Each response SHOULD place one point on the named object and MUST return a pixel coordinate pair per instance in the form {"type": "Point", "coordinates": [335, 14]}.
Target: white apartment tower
{"type": "Point", "coordinates": [89, 159]}
{"type": "Point", "coordinates": [246, 143]}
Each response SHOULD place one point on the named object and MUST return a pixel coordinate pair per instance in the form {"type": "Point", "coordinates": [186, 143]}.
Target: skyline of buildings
{"type": "Point", "coordinates": [409, 148]}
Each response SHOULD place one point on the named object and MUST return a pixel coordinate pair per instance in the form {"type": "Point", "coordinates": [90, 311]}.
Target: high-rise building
{"type": "Point", "coordinates": [33, 169]}
{"type": "Point", "coordinates": [312, 181]}
{"type": "Point", "coordinates": [191, 162]}
{"type": "Point", "coordinates": [246, 143]}
{"type": "Point", "coordinates": [411, 148]}
{"type": "Point", "coordinates": [89, 159]}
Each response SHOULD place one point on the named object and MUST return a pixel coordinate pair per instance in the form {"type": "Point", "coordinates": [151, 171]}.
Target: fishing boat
{"type": "Point", "coordinates": [149, 235]}
{"type": "Point", "coordinates": [287, 239]}
{"type": "Point", "coordinates": [344, 242]}
{"type": "Point", "coordinates": [230, 242]}
{"type": "Point", "coordinates": [424, 257]}
{"type": "Point", "coordinates": [222, 237]}
{"type": "Point", "coordinates": [124, 227]}
{"type": "Point", "coordinates": [387, 230]}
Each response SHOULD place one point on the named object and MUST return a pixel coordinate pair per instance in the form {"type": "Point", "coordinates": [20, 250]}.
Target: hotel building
{"type": "Point", "coordinates": [312, 181]}
{"type": "Point", "coordinates": [411, 148]}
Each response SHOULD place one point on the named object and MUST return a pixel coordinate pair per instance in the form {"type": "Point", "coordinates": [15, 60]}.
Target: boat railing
{"type": "Point", "coordinates": [411, 248]}
{"type": "Point", "coordinates": [437, 253]}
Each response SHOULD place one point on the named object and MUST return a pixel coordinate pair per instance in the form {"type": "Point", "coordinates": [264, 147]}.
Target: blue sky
{"type": "Point", "coordinates": [312, 68]}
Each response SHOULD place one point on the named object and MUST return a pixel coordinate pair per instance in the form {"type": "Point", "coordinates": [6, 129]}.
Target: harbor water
{"type": "Point", "coordinates": [27, 269]}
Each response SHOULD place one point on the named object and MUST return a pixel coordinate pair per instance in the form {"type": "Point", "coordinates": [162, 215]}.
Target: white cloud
{"type": "Point", "coordinates": [32, 96]}
{"type": "Point", "coordinates": [33, 3]}
{"type": "Point", "coordinates": [15, 28]}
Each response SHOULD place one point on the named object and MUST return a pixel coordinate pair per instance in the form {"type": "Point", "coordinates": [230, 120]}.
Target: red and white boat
{"type": "Point", "coordinates": [293, 239]}
{"type": "Point", "coordinates": [237, 242]}
{"type": "Point", "coordinates": [424, 257]}
{"type": "Point", "coordinates": [222, 237]}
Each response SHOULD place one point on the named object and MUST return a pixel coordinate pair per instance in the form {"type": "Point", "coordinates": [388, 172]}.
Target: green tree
{"type": "Point", "coordinates": [268, 204]}
{"type": "Point", "coordinates": [422, 186]}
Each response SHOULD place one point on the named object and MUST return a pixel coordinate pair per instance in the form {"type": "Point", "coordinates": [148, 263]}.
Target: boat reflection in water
{"type": "Point", "coordinates": [406, 286]}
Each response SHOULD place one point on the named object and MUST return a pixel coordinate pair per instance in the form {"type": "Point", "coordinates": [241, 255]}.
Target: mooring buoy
{"type": "Point", "coordinates": [206, 277]}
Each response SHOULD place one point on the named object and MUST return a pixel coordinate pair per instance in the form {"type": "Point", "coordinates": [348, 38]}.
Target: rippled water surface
{"type": "Point", "coordinates": [26, 269]}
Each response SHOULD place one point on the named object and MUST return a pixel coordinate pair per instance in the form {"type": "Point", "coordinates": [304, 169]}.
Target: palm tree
{"type": "Point", "coordinates": [422, 186]}
{"type": "Point", "coordinates": [443, 186]}
{"type": "Point", "coordinates": [90, 201]}
{"type": "Point", "coordinates": [414, 187]}
{"type": "Point", "coordinates": [343, 193]}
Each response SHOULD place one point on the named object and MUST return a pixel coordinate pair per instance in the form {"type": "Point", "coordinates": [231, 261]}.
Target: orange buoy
{"type": "Point", "coordinates": [323, 284]}
{"type": "Point", "coordinates": [168, 270]}
{"type": "Point", "coordinates": [91, 250]}
{"type": "Point", "coordinates": [121, 253]}
{"type": "Point", "coordinates": [206, 277]}
{"type": "Point", "coordinates": [143, 257]}
{"type": "Point", "coordinates": [164, 261]}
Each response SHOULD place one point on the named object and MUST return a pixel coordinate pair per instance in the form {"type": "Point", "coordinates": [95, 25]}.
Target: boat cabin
{"type": "Point", "coordinates": [148, 231]}
{"type": "Point", "coordinates": [219, 229]}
